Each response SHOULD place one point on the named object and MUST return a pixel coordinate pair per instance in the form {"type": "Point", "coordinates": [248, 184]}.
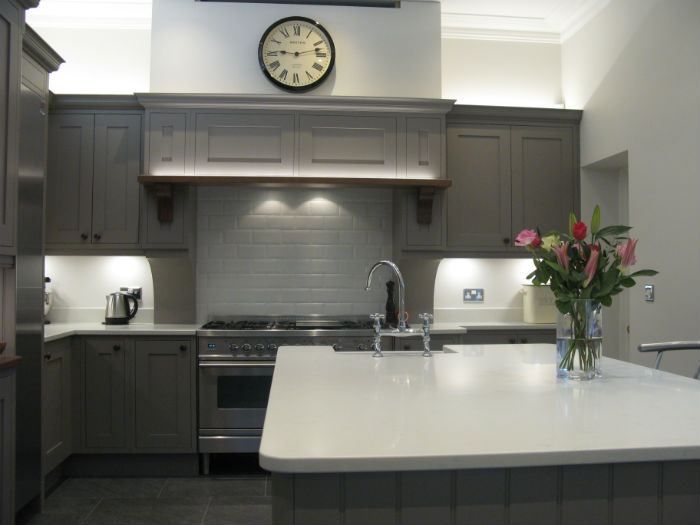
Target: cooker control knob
{"type": "Point", "coordinates": [272, 348]}
{"type": "Point", "coordinates": [259, 348]}
{"type": "Point", "coordinates": [362, 347]}
{"type": "Point", "coordinates": [246, 348]}
{"type": "Point", "coordinates": [233, 347]}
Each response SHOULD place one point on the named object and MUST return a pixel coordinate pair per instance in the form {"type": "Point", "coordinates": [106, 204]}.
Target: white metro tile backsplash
{"type": "Point", "coordinates": [501, 279]}
{"type": "Point", "coordinates": [291, 251]}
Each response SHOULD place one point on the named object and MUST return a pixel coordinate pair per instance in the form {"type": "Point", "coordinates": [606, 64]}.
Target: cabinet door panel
{"type": "Point", "coordinates": [10, 53]}
{"type": "Point", "coordinates": [543, 183]}
{"type": "Point", "coordinates": [69, 179]}
{"type": "Point", "coordinates": [423, 147]}
{"type": "Point", "coordinates": [163, 403]}
{"type": "Point", "coordinates": [478, 203]}
{"type": "Point", "coordinates": [115, 215]}
{"type": "Point", "coordinates": [105, 394]}
{"type": "Point", "coordinates": [166, 139]}
{"type": "Point", "coordinates": [347, 146]}
{"type": "Point", "coordinates": [7, 445]}
{"type": "Point", "coordinates": [56, 404]}
{"type": "Point", "coordinates": [244, 144]}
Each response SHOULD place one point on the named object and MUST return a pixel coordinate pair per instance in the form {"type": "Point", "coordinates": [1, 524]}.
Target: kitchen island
{"type": "Point", "coordinates": [478, 434]}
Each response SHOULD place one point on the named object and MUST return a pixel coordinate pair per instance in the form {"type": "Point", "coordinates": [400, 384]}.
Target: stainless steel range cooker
{"type": "Point", "coordinates": [236, 362]}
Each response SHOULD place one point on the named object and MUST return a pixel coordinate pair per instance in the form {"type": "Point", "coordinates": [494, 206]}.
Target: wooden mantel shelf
{"type": "Point", "coordinates": [162, 185]}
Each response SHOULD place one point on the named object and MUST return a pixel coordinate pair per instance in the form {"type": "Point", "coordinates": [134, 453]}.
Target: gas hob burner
{"type": "Point", "coordinates": [291, 323]}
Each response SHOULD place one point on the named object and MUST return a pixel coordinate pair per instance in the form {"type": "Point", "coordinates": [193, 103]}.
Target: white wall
{"type": "Point", "coordinates": [493, 73]}
{"type": "Point", "coordinates": [206, 47]}
{"type": "Point", "coordinates": [102, 61]}
{"type": "Point", "coordinates": [501, 279]}
{"type": "Point", "coordinates": [645, 99]}
{"type": "Point", "coordinates": [291, 252]}
{"type": "Point", "coordinates": [80, 284]}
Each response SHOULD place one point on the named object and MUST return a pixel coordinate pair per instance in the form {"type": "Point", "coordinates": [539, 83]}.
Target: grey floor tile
{"type": "Point", "coordinates": [64, 511]}
{"type": "Point", "coordinates": [149, 511]}
{"type": "Point", "coordinates": [249, 486]}
{"type": "Point", "coordinates": [227, 511]}
{"type": "Point", "coordinates": [109, 488]}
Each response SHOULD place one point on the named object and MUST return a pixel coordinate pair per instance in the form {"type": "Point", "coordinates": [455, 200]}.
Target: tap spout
{"type": "Point", "coordinates": [401, 323]}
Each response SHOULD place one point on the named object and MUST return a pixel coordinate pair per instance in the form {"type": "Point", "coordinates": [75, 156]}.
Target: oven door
{"type": "Point", "coordinates": [233, 394]}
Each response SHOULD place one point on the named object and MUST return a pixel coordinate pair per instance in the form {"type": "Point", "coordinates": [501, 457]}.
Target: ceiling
{"type": "Point", "coordinates": [549, 21]}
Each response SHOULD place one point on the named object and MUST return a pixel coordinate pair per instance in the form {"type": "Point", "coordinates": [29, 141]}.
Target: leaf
{"type": "Point", "coordinates": [561, 271]}
{"type": "Point", "coordinates": [627, 282]}
{"type": "Point", "coordinates": [613, 230]}
{"type": "Point", "coordinates": [648, 273]}
{"type": "Point", "coordinates": [595, 220]}
{"type": "Point", "coordinates": [606, 301]}
{"type": "Point", "coordinates": [572, 220]}
{"type": "Point", "coordinates": [563, 305]}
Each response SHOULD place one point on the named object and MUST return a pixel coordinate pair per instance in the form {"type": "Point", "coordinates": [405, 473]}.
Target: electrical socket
{"type": "Point", "coordinates": [649, 293]}
{"type": "Point", "coordinates": [473, 295]}
{"type": "Point", "coordinates": [132, 290]}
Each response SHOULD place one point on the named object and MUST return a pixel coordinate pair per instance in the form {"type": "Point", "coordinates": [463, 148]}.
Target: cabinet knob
{"type": "Point", "coordinates": [512, 340]}
{"type": "Point", "coordinates": [47, 356]}
{"type": "Point", "coordinates": [97, 236]}
{"type": "Point", "coordinates": [183, 348]}
{"type": "Point", "coordinates": [84, 236]}
{"type": "Point", "coordinates": [116, 347]}
{"type": "Point", "coordinates": [407, 346]}
{"type": "Point", "coordinates": [523, 340]}
{"type": "Point", "coordinates": [506, 240]}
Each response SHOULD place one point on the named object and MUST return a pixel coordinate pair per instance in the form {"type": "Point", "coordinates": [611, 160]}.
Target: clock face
{"type": "Point", "coordinates": [296, 53]}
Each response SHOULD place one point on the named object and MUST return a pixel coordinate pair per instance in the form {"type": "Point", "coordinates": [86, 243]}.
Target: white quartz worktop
{"type": "Point", "coordinates": [55, 331]}
{"type": "Point", "coordinates": [482, 406]}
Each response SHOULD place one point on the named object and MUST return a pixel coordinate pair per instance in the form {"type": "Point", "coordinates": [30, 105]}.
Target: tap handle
{"type": "Point", "coordinates": [426, 319]}
{"type": "Point", "coordinates": [377, 318]}
{"type": "Point", "coordinates": [377, 345]}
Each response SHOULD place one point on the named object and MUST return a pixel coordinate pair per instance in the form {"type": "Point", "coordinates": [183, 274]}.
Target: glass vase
{"type": "Point", "coordinates": [580, 340]}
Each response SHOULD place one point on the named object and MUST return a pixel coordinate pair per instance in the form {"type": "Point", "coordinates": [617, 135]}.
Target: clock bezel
{"type": "Point", "coordinates": [315, 83]}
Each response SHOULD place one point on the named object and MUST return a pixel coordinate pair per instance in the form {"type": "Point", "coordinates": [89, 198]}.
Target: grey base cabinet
{"type": "Point", "coordinates": [7, 446]}
{"type": "Point", "coordinates": [498, 337]}
{"type": "Point", "coordinates": [138, 395]}
{"type": "Point", "coordinates": [56, 404]}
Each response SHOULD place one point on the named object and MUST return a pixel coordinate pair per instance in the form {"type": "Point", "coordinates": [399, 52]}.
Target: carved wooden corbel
{"type": "Point", "coordinates": [424, 208]}
{"type": "Point", "coordinates": [164, 198]}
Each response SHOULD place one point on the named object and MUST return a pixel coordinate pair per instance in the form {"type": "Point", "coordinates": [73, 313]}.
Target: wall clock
{"type": "Point", "coordinates": [296, 53]}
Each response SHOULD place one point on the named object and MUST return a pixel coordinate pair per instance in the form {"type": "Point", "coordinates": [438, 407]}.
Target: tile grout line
{"type": "Point", "coordinates": [206, 510]}
{"type": "Point", "coordinates": [87, 516]}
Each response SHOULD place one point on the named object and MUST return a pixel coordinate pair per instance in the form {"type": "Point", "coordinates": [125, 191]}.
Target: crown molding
{"type": "Point", "coordinates": [37, 48]}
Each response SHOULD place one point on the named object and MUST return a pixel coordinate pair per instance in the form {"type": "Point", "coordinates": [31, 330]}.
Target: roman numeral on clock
{"type": "Point", "coordinates": [275, 41]}
{"type": "Point", "coordinates": [274, 65]}
{"type": "Point", "coordinates": [271, 54]}
{"type": "Point", "coordinates": [320, 54]}
{"type": "Point", "coordinates": [284, 31]}
{"type": "Point", "coordinates": [309, 75]}
{"type": "Point", "coordinates": [317, 67]}
{"type": "Point", "coordinates": [318, 43]}
{"type": "Point", "coordinates": [295, 78]}
{"type": "Point", "coordinates": [283, 75]}
{"type": "Point", "coordinates": [297, 30]}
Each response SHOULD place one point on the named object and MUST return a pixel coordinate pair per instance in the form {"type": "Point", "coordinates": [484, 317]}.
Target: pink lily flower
{"type": "Point", "coordinates": [562, 256]}
{"type": "Point", "coordinates": [591, 267]}
{"type": "Point", "coordinates": [626, 253]}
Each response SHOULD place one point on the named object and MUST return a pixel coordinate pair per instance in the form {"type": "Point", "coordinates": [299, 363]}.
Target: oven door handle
{"type": "Point", "coordinates": [228, 364]}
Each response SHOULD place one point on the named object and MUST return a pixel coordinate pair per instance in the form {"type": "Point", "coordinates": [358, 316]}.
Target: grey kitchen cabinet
{"type": "Point", "coordinates": [92, 194]}
{"type": "Point", "coordinates": [7, 446]}
{"type": "Point", "coordinates": [437, 341]}
{"type": "Point", "coordinates": [105, 393]}
{"type": "Point", "coordinates": [138, 395]}
{"type": "Point", "coordinates": [497, 337]}
{"type": "Point", "coordinates": [511, 168]}
{"type": "Point", "coordinates": [163, 394]}
{"type": "Point", "coordinates": [11, 21]}
{"type": "Point", "coordinates": [56, 404]}
{"type": "Point", "coordinates": [175, 234]}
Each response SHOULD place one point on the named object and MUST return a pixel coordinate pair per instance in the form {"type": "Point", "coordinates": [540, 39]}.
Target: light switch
{"type": "Point", "coordinates": [649, 293]}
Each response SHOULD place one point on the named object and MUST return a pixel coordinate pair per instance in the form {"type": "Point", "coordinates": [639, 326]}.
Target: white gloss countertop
{"type": "Point", "coordinates": [483, 406]}
{"type": "Point", "coordinates": [55, 331]}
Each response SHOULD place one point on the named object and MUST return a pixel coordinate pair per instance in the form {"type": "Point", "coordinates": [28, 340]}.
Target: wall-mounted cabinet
{"type": "Point", "coordinates": [511, 168]}
{"type": "Point", "coordinates": [92, 191]}
{"type": "Point", "coordinates": [294, 136]}
{"type": "Point", "coordinates": [94, 202]}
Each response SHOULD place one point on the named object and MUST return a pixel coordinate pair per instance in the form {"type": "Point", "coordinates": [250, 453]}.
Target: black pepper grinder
{"type": "Point", "coordinates": [390, 306]}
